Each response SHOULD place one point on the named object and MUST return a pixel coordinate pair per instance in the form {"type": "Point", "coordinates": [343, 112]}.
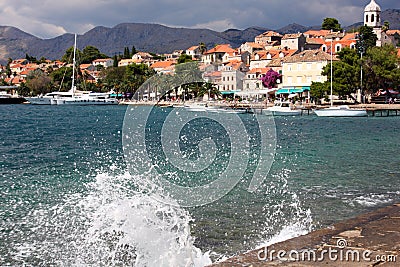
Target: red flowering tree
{"type": "Point", "coordinates": [270, 78]}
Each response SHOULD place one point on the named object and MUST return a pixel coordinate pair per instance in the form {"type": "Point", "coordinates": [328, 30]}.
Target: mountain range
{"type": "Point", "coordinates": [156, 38]}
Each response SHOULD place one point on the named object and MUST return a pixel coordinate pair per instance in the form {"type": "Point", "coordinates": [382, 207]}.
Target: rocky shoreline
{"type": "Point", "coordinates": [370, 239]}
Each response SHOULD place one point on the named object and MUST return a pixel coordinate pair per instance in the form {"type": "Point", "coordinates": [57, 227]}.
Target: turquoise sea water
{"type": "Point", "coordinates": [67, 198]}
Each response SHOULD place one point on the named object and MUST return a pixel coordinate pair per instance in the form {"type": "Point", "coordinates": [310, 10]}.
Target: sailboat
{"type": "Point", "coordinates": [83, 98]}
{"type": "Point", "coordinates": [342, 110]}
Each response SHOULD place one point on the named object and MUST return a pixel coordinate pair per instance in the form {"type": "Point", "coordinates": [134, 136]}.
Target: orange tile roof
{"type": "Point", "coordinates": [213, 74]}
{"type": "Point", "coordinates": [162, 64]}
{"type": "Point", "coordinates": [398, 52]}
{"type": "Point", "coordinates": [84, 66]}
{"type": "Point", "coordinates": [308, 56]}
{"type": "Point", "coordinates": [254, 45]}
{"type": "Point", "coordinates": [223, 48]}
{"type": "Point", "coordinates": [14, 80]}
{"type": "Point", "coordinates": [291, 36]}
{"type": "Point", "coordinates": [258, 70]}
{"type": "Point", "coordinates": [102, 60]}
{"type": "Point", "coordinates": [350, 36]}
{"type": "Point", "coordinates": [392, 32]}
{"type": "Point", "coordinates": [269, 34]}
{"type": "Point", "coordinates": [343, 43]}
{"type": "Point", "coordinates": [315, 41]}
{"type": "Point", "coordinates": [235, 64]}
{"type": "Point", "coordinates": [192, 48]}
{"type": "Point", "coordinates": [317, 32]}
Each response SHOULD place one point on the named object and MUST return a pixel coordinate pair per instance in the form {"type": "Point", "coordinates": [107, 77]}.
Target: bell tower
{"type": "Point", "coordinates": [372, 18]}
{"type": "Point", "coordinates": [372, 15]}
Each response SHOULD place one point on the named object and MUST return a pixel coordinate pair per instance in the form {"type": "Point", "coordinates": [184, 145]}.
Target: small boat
{"type": "Point", "coordinates": [340, 111]}
{"type": "Point", "coordinates": [283, 108]}
{"type": "Point", "coordinates": [196, 107]}
{"type": "Point", "coordinates": [10, 99]}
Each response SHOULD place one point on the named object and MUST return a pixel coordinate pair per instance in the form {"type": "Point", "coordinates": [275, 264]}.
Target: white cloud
{"type": "Point", "coordinates": [216, 25]}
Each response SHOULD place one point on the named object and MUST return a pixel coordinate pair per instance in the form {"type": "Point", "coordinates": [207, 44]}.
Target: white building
{"type": "Point", "coordinates": [105, 62]}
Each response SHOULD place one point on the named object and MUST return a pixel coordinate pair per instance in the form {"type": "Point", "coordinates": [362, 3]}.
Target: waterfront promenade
{"type": "Point", "coordinates": [381, 110]}
{"type": "Point", "coordinates": [370, 239]}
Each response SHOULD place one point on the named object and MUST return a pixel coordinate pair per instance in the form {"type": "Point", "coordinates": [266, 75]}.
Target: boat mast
{"type": "Point", "coordinates": [331, 72]}
{"type": "Point", "coordinates": [73, 69]}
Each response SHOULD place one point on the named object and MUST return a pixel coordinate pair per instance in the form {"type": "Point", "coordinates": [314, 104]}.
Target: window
{"type": "Point", "coordinates": [247, 86]}
{"type": "Point", "coordinates": [372, 18]}
{"type": "Point", "coordinates": [298, 79]}
{"type": "Point", "coordinates": [338, 47]}
{"type": "Point", "coordinates": [290, 80]}
{"type": "Point", "coordinates": [298, 66]}
{"type": "Point", "coordinates": [309, 80]}
{"type": "Point", "coordinates": [377, 18]}
{"type": "Point", "coordinates": [366, 18]}
{"type": "Point", "coordinates": [309, 65]}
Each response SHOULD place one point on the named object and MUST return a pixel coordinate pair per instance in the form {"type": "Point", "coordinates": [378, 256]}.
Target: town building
{"type": "Point", "coordinates": [300, 70]}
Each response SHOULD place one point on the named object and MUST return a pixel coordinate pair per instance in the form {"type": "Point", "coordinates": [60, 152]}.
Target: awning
{"type": "Point", "coordinates": [229, 92]}
{"type": "Point", "coordinates": [255, 92]}
{"type": "Point", "coordinates": [292, 90]}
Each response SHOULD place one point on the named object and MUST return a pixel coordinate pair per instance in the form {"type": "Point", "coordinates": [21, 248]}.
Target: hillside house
{"type": "Point", "coordinates": [216, 54]}
{"type": "Point", "coordinates": [294, 41]}
{"type": "Point", "coordinates": [104, 62]}
{"type": "Point", "coordinates": [269, 38]}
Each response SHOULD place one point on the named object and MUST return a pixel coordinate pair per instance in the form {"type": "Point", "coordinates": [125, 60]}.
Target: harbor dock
{"type": "Point", "coordinates": [370, 239]}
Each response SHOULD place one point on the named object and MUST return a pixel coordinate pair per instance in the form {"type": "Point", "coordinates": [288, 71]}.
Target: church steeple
{"type": "Point", "coordinates": [372, 15]}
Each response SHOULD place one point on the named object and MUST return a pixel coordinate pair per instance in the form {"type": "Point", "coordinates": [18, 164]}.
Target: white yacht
{"type": "Point", "coordinates": [88, 99]}
{"type": "Point", "coordinates": [283, 108]}
{"type": "Point", "coordinates": [48, 99]}
{"type": "Point", "coordinates": [340, 111]}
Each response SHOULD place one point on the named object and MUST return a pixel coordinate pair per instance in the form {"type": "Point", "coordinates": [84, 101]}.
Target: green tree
{"type": "Point", "coordinates": [346, 76]}
{"type": "Point", "coordinates": [115, 61]}
{"type": "Point", "coordinates": [62, 78]}
{"type": "Point", "coordinates": [38, 82]}
{"type": "Point", "coordinates": [381, 67]}
{"type": "Point", "coordinates": [31, 59]}
{"type": "Point", "coordinates": [366, 39]}
{"type": "Point", "coordinates": [386, 26]}
{"type": "Point", "coordinates": [202, 47]}
{"type": "Point", "coordinates": [133, 51]}
{"type": "Point", "coordinates": [90, 53]}
{"type": "Point", "coordinates": [319, 90]}
{"type": "Point", "coordinates": [331, 24]}
{"type": "Point", "coordinates": [127, 54]}
{"type": "Point", "coordinates": [112, 78]}
{"type": "Point", "coordinates": [69, 55]}
{"type": "Point", "coordinates": [184, 59]}
{"type": "Point", "coordinates": [136, 75]}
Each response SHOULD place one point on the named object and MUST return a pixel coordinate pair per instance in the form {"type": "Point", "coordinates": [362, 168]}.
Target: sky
{"type": "Point", "coordinates": [51, 18]}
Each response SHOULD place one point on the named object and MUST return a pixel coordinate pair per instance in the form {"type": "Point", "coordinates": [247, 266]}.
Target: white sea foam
{"type": "Point", "coordinates": [371, 200]}
{"type": "Point", "coordinates": [112, 224]}
{"type": "Point", "coordinates": [127, 227]}
{"type": "Point", "coordinates": [286, 226]}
